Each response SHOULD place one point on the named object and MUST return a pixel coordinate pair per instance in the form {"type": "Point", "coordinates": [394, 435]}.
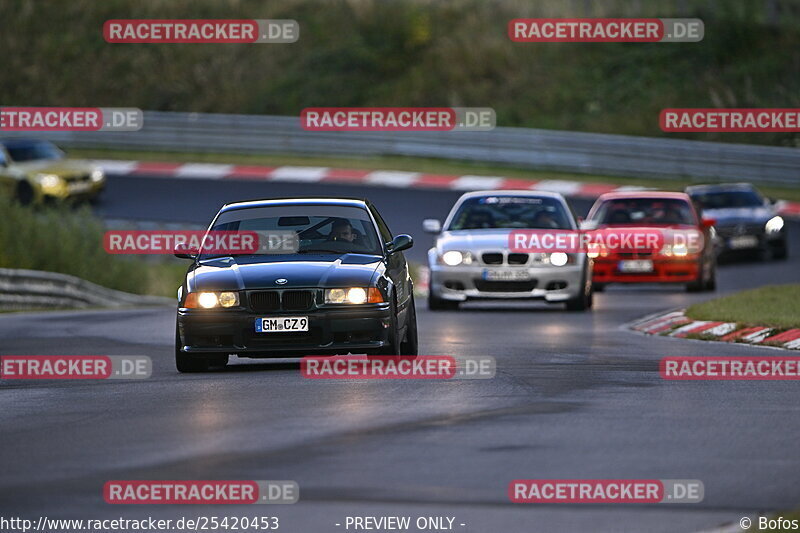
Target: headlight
{"type": "Point", "coordinates": [678, 250]}
{"type": "Point", "coordinates": [353, 295]}
{"type": "Point", "coordinates": [455, 258]}
{"type": "Point", "coordinates": [48, 181]}
{"type": "Point", "coordinates": [774, 225]}
{"type": "Point", "coordinates": [210, 300]}
{"type": "Point", "coordinates": [558, 259]}
{"type": "Point", "coordinates": [595, 250]}
{"type": "Point", "coordinates": [97, 175]}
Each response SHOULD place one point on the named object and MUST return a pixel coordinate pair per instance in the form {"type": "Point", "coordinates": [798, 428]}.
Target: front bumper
{"type": "Point", "coordinates": [330, 331]}
{"type": "Point", "coordinates": [665, 270]}
{"type": "Point", "coordinates": [734, 240]}
{"type": "Point", "coordinates": [549, 283]}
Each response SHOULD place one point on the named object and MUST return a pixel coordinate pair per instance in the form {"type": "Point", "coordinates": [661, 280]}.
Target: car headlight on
{"type": "Point", "coordinates": [595, 250]}
{"type": "Point", "coordinates": [774, 225]}
{"type": "Point", "coordinates": [455, 258]}
{"type": "Point", "coordinates": [353, 295]}
{"type": "Point", "coordinates": [97, 175]}
{"type": "Point", "coordinates": [49, 181]}
{"type": "Point", "coordinates": [558, 259]}
{"type": "Point", "coordinates": [211, 300]}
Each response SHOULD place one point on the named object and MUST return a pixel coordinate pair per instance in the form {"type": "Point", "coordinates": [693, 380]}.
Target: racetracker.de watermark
{"type": "Point", "coordinates": [189, 31]}
{"type": "Point", "coordinates": [606, 30]}
{"type": "Point", "coordinates": [200, 492]}
{"type": "Point", "coordinates": [71, 119]}
{"type": "Point", "coordinates": [606, 491]}
{"type": "Point", "coordinates": [75, 367]}
{"type": "Point", "coordinates": [195, 242]}
{"type": "Point", "coordinates": [730, 368]}
{"type": "Point", "coordinates": [601, 242]}
{"type": "Point", "coordinates": [741, 120]}
{"type": "Point", "coordinates": [398, 367]}
{"type": "Point", "coordinates": [398, 119]}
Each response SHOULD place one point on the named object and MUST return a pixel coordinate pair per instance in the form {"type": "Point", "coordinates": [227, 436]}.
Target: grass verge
{"type": "Point", "coordinates": [70, 241]}
{"type": "Point", "coordinates": [772, 305]}
{"type": "Point", "coordinates": [413, 164]}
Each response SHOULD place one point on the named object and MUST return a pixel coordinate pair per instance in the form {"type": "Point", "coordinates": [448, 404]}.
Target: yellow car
{"type": "Point", "coordinates": [36, 172]}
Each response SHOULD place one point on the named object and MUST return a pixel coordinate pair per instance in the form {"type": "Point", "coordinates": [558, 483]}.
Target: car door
{"type": "Point", "coordinates": [7, 181]}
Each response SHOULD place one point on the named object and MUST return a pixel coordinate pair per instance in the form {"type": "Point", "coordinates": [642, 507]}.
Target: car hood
{"type": "Point", "coordinates": [473, 240]}
{"type": "Point", "coordinates": [65, 168]}
{"type": "Point", "coordinates": [739, 215]}
{"type": "Point", "coordinates": [253, 272]}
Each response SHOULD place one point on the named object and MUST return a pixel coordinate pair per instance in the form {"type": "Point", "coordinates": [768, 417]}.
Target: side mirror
{"type": "Point", "coordinates": [182, 251]}
{"type": "Point", "coordinates": [400, 243]}
{"type": "Point", "coordinates": [587, 225]}
{"type": "Point", "coordinates": [709, 223]}
{"type": "Point", "coordinates": [431, 225]}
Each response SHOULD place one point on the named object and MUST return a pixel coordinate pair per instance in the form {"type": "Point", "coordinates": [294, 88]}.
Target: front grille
{"type": "Point", "coordinates": [297, 300]}
{"type": "Point", "coordinates": [517, 259]}
{"type": "Point", "coordinates": [740, 229]}
{"type": "Point", "coordinates": [635, 255]}
{"type": "Point", "coordinates": [261, 301]}
{"type": "Point", "coordinates": [265, 301]}
{"type": "Point", "coordinates": [505, 286]}
{"type": "Point", "coordinates": [492, 258]}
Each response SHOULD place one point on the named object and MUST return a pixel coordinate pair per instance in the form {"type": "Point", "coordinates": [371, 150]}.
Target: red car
{"type": "Point", "coordinates": [691, 262]}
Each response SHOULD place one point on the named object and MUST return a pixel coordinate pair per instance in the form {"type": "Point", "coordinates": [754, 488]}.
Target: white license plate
{"type": "Point", "coordinates": [743, 241]}
{"type": "Point", "coordinates": [281, 324]}
{"type": "Point", "coordinates": [506, 275]}
{"type": "Point", "coordinates": [78, 186]}
{"type": "Point", "coordinates": [636, 265]}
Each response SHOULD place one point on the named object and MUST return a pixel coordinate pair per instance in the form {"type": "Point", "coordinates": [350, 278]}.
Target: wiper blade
{"type": "Point", "coordinates": [321, 250]}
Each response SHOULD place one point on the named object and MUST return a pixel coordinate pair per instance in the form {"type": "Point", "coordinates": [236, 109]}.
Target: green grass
{"type": "Point", "coordinates": [413, 164]}
{"type": "Point", "coordinates": [772, 305]}
{"type": "Point", "coordinates": [70, 241]}
{"type": "Point", "coordinates": [410, 53]}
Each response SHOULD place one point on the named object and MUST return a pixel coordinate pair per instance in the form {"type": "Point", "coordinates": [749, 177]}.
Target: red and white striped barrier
{"type": "Point", "coordinates": [677, 324]}
{"type": "Point", "coordinates": [379, 178]}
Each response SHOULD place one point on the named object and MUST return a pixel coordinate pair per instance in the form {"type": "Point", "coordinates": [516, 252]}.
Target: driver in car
{"type": "Point", "coordinates": [342, 230]}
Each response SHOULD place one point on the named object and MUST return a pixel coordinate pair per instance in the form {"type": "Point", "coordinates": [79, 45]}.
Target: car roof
{"type": "Point", "coordinates": [632, 195]}
{"type": "Point", "coordinates": [270, 202]}
{"type": "Point", "coordinates": [512, 192]}
{"type": "Point", "coordinates": [720, 187]}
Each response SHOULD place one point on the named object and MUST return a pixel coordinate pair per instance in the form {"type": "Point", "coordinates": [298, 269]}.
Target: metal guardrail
{"type": "Point", "coordinates": [34, 289]}
{"type": "Point", "coordinates": [590, 153]}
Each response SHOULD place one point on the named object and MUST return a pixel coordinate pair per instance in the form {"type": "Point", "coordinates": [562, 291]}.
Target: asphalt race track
{"type": "Point", "coordinates": [575, 396]}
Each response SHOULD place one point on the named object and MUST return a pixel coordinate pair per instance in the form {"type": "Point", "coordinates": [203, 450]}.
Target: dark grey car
{"type": "Point", "coordinates": [746, 221]}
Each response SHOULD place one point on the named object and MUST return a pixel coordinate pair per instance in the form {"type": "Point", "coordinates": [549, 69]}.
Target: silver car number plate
{"type": "Point", "coordinates": [497, 274]}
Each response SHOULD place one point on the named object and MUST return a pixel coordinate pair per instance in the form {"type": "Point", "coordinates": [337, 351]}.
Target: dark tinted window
{"type": "Point", "coordinates": [726, 199]}
{"type": "Point", "coordinates": [645, 211]}
{"type": "Point", "coordinates": [32, 151]}
{"type": "Point", "coordinates": [511, 212]}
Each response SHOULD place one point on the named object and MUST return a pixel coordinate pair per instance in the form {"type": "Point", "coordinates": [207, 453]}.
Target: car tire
{"type": "Point", "coordinates": [24, 193]}
{"type": "Point", "coordinates": [410, 345]}
{"type": "Point", "coordinates": [598, 287]}
{"type": "Point", "coordinates": [780, 252]}
{"type": "Point", "coordinates": [585, 299]}
{"type": "Point", "coordinates": [394, 343]}
{"type": "Point", "coordinates": [702, 283]}
{"type": "Point", "coordinates": [440, 304]}
{"type": "Point", "coordinates": [190, 363]}
{"type": "Point", "coordinates": [711, 282]}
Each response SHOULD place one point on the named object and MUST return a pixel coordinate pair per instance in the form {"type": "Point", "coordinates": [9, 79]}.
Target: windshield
{"type": "Point", "coordinates": [514, 212]}
{"type": "Point", "coordinates": [324, 229]}
{"type": "Point", "coordinates": [33, 151]}
{"type": "Point", "coordinates": [728, 199]}
{"type": "Point", "coordinates": [645, 211]}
